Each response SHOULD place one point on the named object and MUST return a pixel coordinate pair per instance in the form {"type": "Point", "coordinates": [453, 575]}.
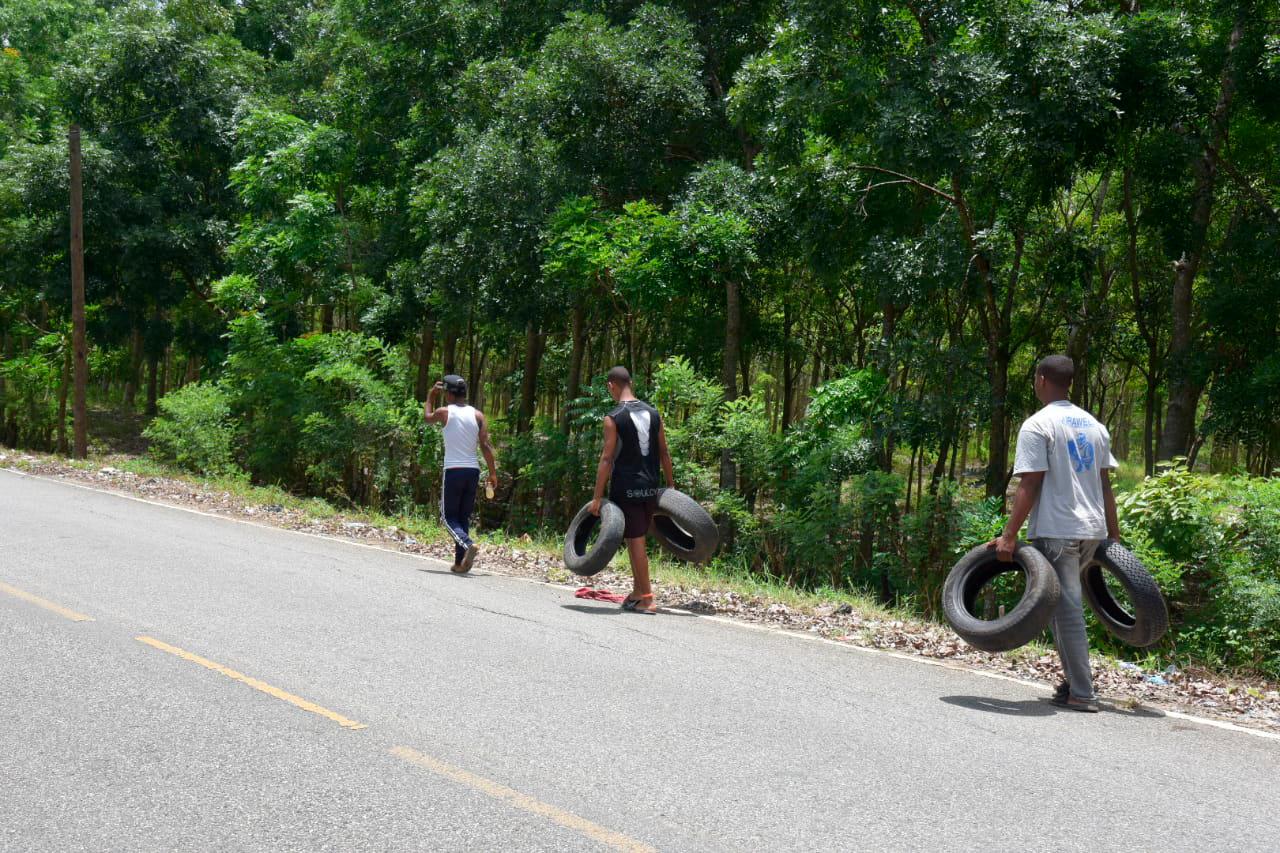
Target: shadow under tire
{"type": "Point", "coordinates": [1019, 626]}
{"type": "Point", "coordinates": [1150, 617]}
{"type": "Point", "coordinates": [581, 556]}
{"type": "Point", "coordinates": [683, 528]}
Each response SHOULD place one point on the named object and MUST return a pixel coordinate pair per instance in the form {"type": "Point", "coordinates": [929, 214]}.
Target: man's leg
{"type": "Point", "coordinates": [639, 517]}
{"type": "Point", "coordinates": [451, 495]}
{"type": "Point", "coordinates": [467, 505]}
{"type": "Point", "coordinates": [1069, 634]}
{"type": "Point", "coordinates": [639, 567]}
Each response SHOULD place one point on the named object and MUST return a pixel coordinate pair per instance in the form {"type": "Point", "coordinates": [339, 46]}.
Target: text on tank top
{"type": "Point", "coordinates": [461, 438]}
{"type": "Point", "coordinates": [635, 464]}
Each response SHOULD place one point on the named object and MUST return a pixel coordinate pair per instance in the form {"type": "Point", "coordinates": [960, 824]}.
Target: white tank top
{"type": "Point", "coordinates": [461, 436]}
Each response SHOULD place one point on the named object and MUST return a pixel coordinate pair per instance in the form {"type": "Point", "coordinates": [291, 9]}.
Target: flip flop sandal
{"type": "Point", "coordinates": [632, 605]}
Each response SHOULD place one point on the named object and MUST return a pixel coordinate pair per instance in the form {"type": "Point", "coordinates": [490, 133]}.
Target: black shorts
{"type": "Point", "coordinates": [638, 515]}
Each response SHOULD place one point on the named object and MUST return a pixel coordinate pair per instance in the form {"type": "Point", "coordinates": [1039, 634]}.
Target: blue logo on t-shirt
{"type": "Point", "coordinates": [1081, 450]}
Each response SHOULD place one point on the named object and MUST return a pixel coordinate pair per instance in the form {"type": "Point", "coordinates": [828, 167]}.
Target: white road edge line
{"type": "Point", "coordinates": [751, 626]}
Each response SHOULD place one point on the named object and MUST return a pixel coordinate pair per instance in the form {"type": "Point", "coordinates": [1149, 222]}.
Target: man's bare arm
{"type": "Point", "coordinates": [605, 469]}
{"type": "Point", "coordinates": [1023, 500]}
{"type": "Point", "coordinates": [1109, 505]}
{"type": "Point", "coordinates": [486, 447]}
{"type": "Point", "coordinates": [664, 456]}
{"type": "Point", "coordinates": [430, 412]}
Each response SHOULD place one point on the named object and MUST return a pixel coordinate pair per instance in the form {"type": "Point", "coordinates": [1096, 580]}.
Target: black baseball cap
{"type": "Point", "coordinates": [455, 384]}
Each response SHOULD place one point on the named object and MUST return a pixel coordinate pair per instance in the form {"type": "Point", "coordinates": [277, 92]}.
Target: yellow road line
{"type": "Point", "coordinates": [45, 603]}
{"type": "Point", "coordinates": [608, 837]}
{"type": "Point", "coordinates": [297, 701]}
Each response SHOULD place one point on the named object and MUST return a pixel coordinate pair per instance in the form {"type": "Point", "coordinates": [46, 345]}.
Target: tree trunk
{"type": "Point", "coordinates": [911, 473]}
{"type": "Point", "coordinates": [426, 351]}
{"type": "Point", "coordinates": [1148, 432]}
{"type": "Point", "coordinates": [63, 389]}
{"type": "Point", "coordinates": [135, 370]}
{"type": "Point", "coordinates": [534, 342]}
{"type": "Point", "coordinates": [153, 384]}
{"type": "Point", "coordinates": [4, 355]}
{"type": "Point", "coordinates": [574, 385]}
{"type": "Point", "coordinates": [729, 373]}
{"type": "Point", "coordinates": [888, 328]}
{"type": "Point", "coordinates": [1184, 386]}
{"type": "Point", "coordinates": [475, 372]}
{"type": "Point", "coordinates": [998, 440]}
{"type": "Point", "coordinates": [166, 371]}
{"type": "Point", "coordinates": [451, 350]}
{"type": "Point", "coordinates": [940, 467]}
{"type": "Point", "coordinates": [788, 370]}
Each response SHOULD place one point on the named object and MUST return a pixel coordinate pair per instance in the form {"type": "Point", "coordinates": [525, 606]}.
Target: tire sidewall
{"type": "Point", "coordinates": [1019, 626]}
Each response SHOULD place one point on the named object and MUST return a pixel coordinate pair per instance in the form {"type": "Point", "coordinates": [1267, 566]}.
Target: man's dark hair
{"type": "Point", "coordinates": [1057, 370]}
{"type": "Point", "coordinates": [620, 376]}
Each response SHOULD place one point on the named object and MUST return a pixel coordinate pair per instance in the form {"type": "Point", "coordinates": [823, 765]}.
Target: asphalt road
{"type": "Point", "coordinates": [292, 692]}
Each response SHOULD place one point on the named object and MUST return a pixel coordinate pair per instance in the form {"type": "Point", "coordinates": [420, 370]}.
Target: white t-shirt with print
{"type": "Point", "coordinates": [1071, 447]}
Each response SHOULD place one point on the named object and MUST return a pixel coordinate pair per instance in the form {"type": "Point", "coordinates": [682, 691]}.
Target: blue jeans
{"type": "Point", "coordinates": [1069, 557]}
{"type": "Point", "coordinates": [457, 502]}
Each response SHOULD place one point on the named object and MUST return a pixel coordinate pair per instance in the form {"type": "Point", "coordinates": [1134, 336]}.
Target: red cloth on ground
{"type": "Point", "coordinates": [599, 595]}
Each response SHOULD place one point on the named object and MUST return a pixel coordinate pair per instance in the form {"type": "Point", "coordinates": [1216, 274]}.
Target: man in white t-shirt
{"type": "Point", "coordinates": [1064, 463]}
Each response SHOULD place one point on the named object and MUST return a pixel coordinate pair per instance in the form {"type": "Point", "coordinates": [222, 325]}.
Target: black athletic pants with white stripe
{"type": "Point", "coordinates": [457, 502]}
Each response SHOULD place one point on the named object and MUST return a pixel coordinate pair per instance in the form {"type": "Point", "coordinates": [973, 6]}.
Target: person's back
{"type": "Point", "coordinates": [461, 437]}
{"type": "Point", "coordinates": [1072, 448]}
{"type": "Point", "coordinates": [635, 467]}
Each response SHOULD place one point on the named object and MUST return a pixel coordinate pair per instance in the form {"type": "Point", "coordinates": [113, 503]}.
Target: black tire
{"type": "Point", "coordinates": [580, 559]}
{"type": "Point", "coordinates": [683, 528]}
{"type": "Point", "coordinates": [1150, 617]}
{"type": "Point", "coordinates": [1026, 621]}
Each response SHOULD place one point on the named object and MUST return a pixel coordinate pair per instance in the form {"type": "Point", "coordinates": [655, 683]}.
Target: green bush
{"type": "Point", "coordinates": [1213, 544]}
{"type": "Point", "coordinates": [194, 430]}
{"type": "Point", "coordinates": [29, 402]}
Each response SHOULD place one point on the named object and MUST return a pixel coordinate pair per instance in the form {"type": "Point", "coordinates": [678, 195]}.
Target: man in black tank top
{"type": "Point", "coordinates": [635, 444]}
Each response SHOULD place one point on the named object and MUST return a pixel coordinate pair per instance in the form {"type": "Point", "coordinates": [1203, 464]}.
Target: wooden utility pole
{"type": "Point", "coordinates": [80, 358]}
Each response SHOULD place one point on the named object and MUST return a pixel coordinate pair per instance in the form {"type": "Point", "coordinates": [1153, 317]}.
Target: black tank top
{"type": "Point", "coordinates": [635, 467]}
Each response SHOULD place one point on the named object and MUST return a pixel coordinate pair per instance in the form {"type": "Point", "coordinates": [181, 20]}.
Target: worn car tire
{"type": "Point", "coordinates": [683, 528]}
{"type": "Point", "coordinates": [1019, 626]}
{"type": "Point", "coordinates": [586, 561]}
{"type": "Point", "coordinates": [1150, 617]}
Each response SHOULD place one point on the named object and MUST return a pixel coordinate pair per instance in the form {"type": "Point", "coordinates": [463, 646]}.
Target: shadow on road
{"type": "Point", "coordinates": [607, 609]}
{"type": "Point", "coordinates": [447, 572]}
{"type": "Point", "coordinates": [1022, 708]}
{"type": "Point", "coordinates": [1135, 711]}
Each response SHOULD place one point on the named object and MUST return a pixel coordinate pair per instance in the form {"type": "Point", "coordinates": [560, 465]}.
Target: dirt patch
{"type": "Point", "coordinates": [1255, 704]}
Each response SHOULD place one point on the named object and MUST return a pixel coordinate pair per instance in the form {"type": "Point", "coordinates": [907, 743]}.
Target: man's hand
{"type": "Point", "coordinates": [595, 505]}
{"type": "Point", "coordinates": [1004, 545]}
{"type": "Point", "coordinates": [493, 481]}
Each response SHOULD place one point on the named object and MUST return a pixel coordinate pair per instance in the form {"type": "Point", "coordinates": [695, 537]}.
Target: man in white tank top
{"type": "Point", "coordinates": [465, 431]}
